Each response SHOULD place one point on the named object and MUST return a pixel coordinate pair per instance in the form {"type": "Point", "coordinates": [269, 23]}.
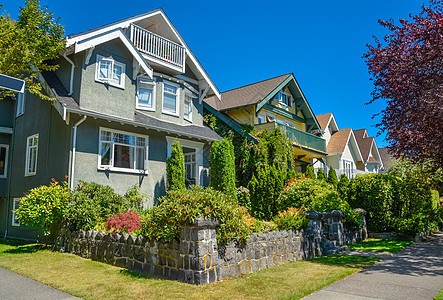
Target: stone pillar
{"type": "Point", "coordinates": [334, 230]}
{"type": "Point", "coordinates": [314, 234]}
{"type": "Point", "coordinates": [198, 248]}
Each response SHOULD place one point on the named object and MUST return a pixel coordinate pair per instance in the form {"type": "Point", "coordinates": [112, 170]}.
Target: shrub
{"type": "Point", "coordinates": [124, 222]}
{"type": "Point", "coordinates": [43, 206]}
{"type": "Point", "coordinates": [180, 207]}
{"type": "Point", "coordinates": [91, 204]}
{"type": "Point", "coordinates": [175, 168]}
{"type": "Point", "coordinates": [342, 186]}
{"type": "Point", "coordinates": [314, 194]}
{"type": "Point", "coordinates": [265, 190]}
{"type": "Point", "coordinates": [292, 218]}
{"type": "Point", "coordinates": [321, 175]}
{"type": "Point", "coordinates": [135, 199]}
{"type": "Point", "coordinates": [257, 225]}
{"type": "Point", "coordinates": [244, 197]}
{"type": "Point", "coordinates": [310, 172]}
{"type": "Point", "coordinates": [376, 194]}
{"type": "Point", "coordinates": [222, 167]}
{"type": "Point", "coordinates": [332, 177]}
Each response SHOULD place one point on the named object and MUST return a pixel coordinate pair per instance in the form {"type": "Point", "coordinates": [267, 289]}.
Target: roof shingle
{"type": "Point", "coordinates": [338, 141]}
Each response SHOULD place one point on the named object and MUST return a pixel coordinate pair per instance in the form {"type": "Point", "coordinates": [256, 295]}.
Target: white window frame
{"type": "Point", "coordinates": [117, 169]}
{"type": "Point", "coordinates": [188, 98]}
{"type": "Point", "coordinates": [141, 82]}
{"type": "Point", "coordinates": [348, 166]}
{"type": "Point", "coordinates": [107, 80]}
{"type": "Point", "coordinates": [198, 154]}
{"type": "Point", "coordinates": [28, 155]}
{"type": "Point", "coordinates": [279, 98]}
{"type": "Point", "coordinates": [6, 160]}
{"type": "Point", "coordinates": [20, 104]}
{"type": "Point", "coordinates": [269, 115]}
{"type": "Point", "coordinates": [191, 162]}
{"type": "Point", "coordinates": [177, 98]}
{"type": "Point", "coordinates": [15, 205]}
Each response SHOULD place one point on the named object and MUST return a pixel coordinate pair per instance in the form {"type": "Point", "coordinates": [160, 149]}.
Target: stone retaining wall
{"type": "Point", "coordinates": [198, 259]}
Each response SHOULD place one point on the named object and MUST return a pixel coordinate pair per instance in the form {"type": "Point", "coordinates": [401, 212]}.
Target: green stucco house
{"type": "Point", "coordinates": [124, 93]}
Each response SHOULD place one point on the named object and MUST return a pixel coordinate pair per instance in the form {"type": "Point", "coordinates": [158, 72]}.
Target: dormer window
{"type": "Point", "coordinates": [284, 98]}
{"type": "Point", "coordinates": [110, 71]}
{"type": "Point", "coordinates": [145, 94]}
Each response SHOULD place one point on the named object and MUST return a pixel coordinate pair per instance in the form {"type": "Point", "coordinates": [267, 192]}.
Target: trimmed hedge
{"type": "Point", "coordinates": [175, 168]}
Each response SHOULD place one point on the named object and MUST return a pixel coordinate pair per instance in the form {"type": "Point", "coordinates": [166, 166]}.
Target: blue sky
{"type": "Point", "coordinates": [241, 42]}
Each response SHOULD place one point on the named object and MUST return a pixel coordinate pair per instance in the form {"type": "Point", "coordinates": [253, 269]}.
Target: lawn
{"type": "Point", "coordinates": [379, 245]}
{"type": "Point", "coordinates": [93, 280]}
{"type": "Point", "coordinates": [439, 296]}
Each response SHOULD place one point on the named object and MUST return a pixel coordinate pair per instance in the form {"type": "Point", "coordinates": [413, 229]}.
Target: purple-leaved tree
{"type": "Point", "coordinates": [407, 71]}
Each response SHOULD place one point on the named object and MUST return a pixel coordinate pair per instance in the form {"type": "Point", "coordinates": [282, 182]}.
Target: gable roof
{"type": "Point", "coordinates": [193, 62]}
{"type": "Point", "coordinates": [262, 92]}
{"type": "Point", "coordinates": [366, 144]}
{"type": "Point", "coordinates": [323, 120]}
{"type": "Point", "coordinates": [386, 157]}
{"type": "Point", "coordinates": [246, 95]}
{"type": "Point", "coordinates": [338, 141]}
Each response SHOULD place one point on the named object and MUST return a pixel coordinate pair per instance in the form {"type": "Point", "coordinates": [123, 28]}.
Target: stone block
{"type": "Point", "coordinates": [188, 276]}
{"type": "Point", "coordinates": [197, 263]}
{"type": "Point", "coordinates": [172, 263]}
{"type": "Point", "coordinates": [212, 276]}
{"type": "Point", "coordinates": [201, 277]}
{"type": "Point", "coordinates": [174, 274]}
{"type": "Point", "coordinates": [138, 266]}
{"type": "Point", "coordinates": [224, 272]}
{"type": "Point", "coordinates": [120, 262]}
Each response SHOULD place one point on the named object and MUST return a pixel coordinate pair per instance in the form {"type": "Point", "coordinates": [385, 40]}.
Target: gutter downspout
{"type": "Point", "coordinates": [71, 80]}
{"type": "Point", "coordinates": [74, 143]}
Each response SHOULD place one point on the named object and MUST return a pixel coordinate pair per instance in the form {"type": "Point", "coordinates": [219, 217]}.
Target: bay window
{"type": "Point", "coordinates": [122, 151]}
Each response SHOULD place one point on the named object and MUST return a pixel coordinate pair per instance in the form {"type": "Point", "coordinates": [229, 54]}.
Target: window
{"type": "Point", "coordinates": [3, 160]}
{"type": "Point", "coordinates": [31, 155]}
{"type": "Point", "coordinates": [284, 98]}
{"type": "Point", "coordinates": [261, 119]}
{"type": "Point", "coordinates": [188, 107]}
{"type": "Point", "coordinates": [269, 117]}
{"type": "Point", "coordinates": [289, 123]}
{"type": "Point", "coordinates": [110, 71]}
{"type": "Point", "coordinates": [122, 151]}
{"type": "Point", "coordinates": [348, 166]}
{"type": "Point", "coordinates": [145, 94]}
{"type": "Point", "coordinates": [16, 205]}
{"type": "Point", "coordinates": [191, 167]}
{"type": "Point", "coordinates": [20, 108]}
{"type": "Point", "coordinates": [170, 99]}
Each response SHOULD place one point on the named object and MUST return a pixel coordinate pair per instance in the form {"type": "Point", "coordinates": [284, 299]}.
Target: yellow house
{"type": "Point", "coordinates": [270, 103]}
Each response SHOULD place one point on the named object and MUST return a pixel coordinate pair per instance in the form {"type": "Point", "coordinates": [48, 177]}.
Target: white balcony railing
{"type": "Point", "coordinates": [157, 46]}
{"type": "Point", "coordinates": [350, 173]}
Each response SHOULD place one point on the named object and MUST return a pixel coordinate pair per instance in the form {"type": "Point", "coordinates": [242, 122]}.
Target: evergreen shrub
{"type": "Point", "coordinates": [175, 168]}
{"type": "Point", "coordinates": [321, 175]}
{"type": "Point", "coordinates": [332, 177]}
{"type": "Point", "coordinates": [310, 172]}
{"type": "Point", "coordinates": [222, 167]}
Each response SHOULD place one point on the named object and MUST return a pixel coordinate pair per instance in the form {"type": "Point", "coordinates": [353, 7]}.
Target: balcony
{"type": "Point", "coordinates": [299, 137]}
{"type": "Point", "coordinates": [157, 48]}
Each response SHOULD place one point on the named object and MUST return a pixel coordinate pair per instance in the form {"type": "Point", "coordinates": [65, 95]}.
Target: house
{"type": "Point", "coordinates": [343, 152]}
{"type": "Point", "coordinates": [272, 103]}
{"type": "Point", "coordinates": [386, 158]}
{"type": "Point", "coordinates": [372, 162]}
{"type": "Point", "coordinates": [124, 93]}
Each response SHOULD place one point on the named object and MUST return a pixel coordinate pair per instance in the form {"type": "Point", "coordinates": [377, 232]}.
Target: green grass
{"type": "Point", "coordinates": [93, 280]}
{"type": "Point", "coordinates": [379, 245]}
{"type": "Point", "coordinates": [439, 296]}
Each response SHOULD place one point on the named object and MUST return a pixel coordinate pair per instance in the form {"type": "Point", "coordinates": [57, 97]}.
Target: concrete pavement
{"type": "Point", "coordinates": [416, 272]}
{"type": "Point", "coordinates": [15, 286]}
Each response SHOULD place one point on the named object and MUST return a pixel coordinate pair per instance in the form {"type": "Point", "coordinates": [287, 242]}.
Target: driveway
{"type": "Point", "coordinates": [416, 272]}
{"type": "Point", "coordinates": [15, 286]}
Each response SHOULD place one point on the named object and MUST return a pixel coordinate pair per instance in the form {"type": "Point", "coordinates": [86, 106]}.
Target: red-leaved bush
{"type": "Point", "coordinates": [124, 222]}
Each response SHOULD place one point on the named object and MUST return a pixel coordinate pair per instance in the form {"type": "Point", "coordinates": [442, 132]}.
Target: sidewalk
{"type": "Point", "coordinates": [415, 272]}
{"type": "Point", "coordinates": [15, 286]}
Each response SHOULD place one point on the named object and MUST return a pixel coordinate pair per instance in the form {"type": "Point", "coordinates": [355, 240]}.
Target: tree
{"type": "Point", "coordinates": [407, 71]}
{"type": "Point", "coordinates": [175, 168]}
{"type": "Point", "coordinates": [26, 45]}
{"type": "Point", "coordinates": [321, 175]}
{"type": "Point", "coordinates": [343, 185]}
{"type": "Point", "coordinates": [222, 167]}
{"type": "Point", "coordinates": [310, 172]}
{"type": "Point", "coordinates": [332, 177]}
